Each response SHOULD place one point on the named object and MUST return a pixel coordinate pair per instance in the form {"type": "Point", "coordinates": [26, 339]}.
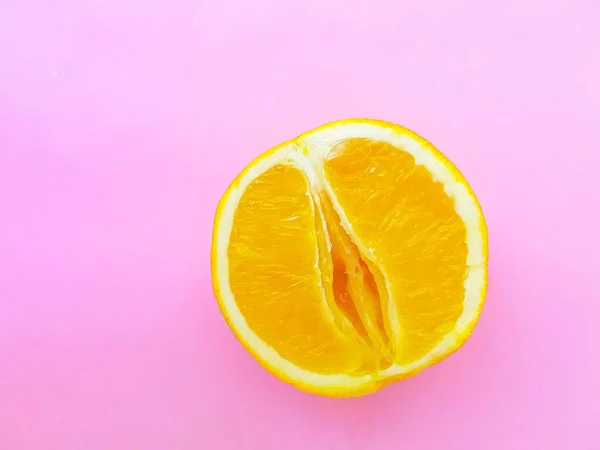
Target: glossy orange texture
{"type": "Point", "coordinates": [355, 290]}
{"type": "Point", "coordinates": [307, 289]}
{"type": "Point", "coordinates": [399, 212]}
{"type": "Point", "coordinates": [273, 254]}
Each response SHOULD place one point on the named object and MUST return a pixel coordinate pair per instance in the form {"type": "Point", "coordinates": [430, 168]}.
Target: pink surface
{"type": "Point", "coordinates": [122, 122]}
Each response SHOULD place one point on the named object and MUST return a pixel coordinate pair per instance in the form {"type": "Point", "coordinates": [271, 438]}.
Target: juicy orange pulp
{"type": "Point", "coordinates": [399, 212]}
{"type": "Point", "coordinates": [335, 300]}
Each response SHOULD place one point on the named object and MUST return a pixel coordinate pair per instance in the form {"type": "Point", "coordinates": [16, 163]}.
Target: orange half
{"type": "Point", "coordinates": [350, 257]}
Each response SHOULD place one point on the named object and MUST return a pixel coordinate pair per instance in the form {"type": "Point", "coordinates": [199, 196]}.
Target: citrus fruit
{"type": "Point", "coordinates": [350, 257]}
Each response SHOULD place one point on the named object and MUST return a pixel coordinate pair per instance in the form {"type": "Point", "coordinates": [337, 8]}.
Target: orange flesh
{"type": "Point", "coordinates": [355, 290]}
{"type": "Point", "coordinates": [334, 276]}
{"type": "Point", "coordinates": [398, 211]}
{"type": "Point", "coordinates": [273, 278]}
{"type": "Point", "coordinates": [306, 289]}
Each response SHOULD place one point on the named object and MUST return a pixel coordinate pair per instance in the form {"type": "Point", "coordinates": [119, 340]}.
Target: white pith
{"type": "Point", "coordinates": [307, 154]}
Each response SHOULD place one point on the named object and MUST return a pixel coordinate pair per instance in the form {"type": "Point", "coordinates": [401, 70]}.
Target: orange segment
{"type": "Point", "coordinates": [355, 290]}
{"type": "Point", "coordinates": [274, 277]}
{"type": "Point", "coordinates": [399, 212]}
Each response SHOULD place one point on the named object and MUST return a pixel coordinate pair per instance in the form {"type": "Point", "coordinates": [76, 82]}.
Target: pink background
{"type": "Point", "coordinates": [121, 124]}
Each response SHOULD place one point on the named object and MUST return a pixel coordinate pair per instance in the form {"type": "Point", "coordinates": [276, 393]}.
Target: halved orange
{"type": "Point", "coordinates": [349, 257]}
